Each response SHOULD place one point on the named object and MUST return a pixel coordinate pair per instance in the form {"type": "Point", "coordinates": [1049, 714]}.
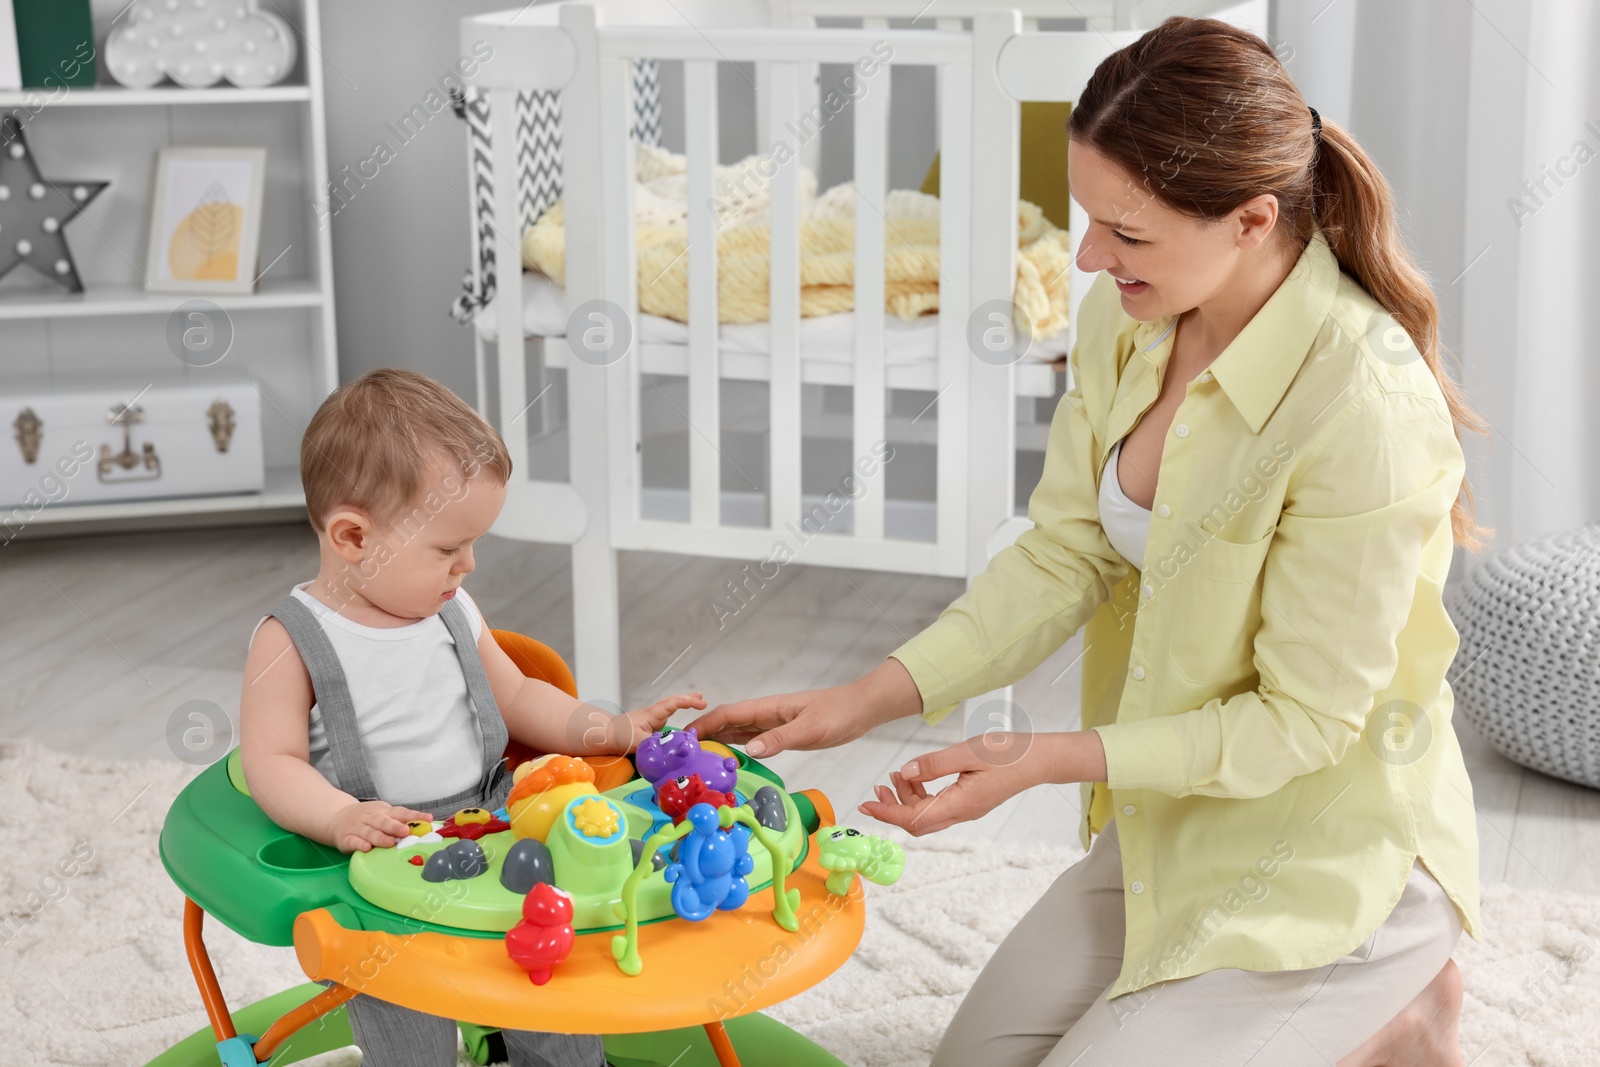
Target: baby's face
{"type": "Point", "coordinates": [417, 561]}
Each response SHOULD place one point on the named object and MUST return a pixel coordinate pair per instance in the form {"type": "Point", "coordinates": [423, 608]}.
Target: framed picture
{"type": "Point", "coordinates": [205, 220]}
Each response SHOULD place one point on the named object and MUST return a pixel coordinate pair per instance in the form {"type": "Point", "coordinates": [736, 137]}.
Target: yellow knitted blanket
{"type": "Point", "coordinates": [827, 267]}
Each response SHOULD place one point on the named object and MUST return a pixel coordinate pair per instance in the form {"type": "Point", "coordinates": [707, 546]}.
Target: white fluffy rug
{"type": "Point", "coordinates": [93, 968]}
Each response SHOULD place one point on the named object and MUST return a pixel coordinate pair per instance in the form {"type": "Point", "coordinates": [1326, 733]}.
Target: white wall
{"type": "Point", "coordinates": [401, 242]}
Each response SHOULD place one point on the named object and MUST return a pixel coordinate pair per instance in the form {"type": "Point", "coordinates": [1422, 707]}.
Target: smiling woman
{"type": "Point", "coordinates": [1262, 362]}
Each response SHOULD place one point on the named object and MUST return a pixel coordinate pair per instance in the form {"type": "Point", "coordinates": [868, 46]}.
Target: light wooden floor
{"type": "Point", "coordinates": [103, 637]}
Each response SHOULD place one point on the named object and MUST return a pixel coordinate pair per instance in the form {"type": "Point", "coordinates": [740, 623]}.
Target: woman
{"type": "Point", "coordinates": [1250, 498]}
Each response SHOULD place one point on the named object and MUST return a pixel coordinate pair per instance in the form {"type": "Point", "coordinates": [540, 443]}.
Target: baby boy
{"type": "Point", "coordinates": [375, 694]}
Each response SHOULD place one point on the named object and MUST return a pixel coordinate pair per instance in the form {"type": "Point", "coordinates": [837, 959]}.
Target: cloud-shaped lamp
{"type": "Point", "coordinates": [199, 43]}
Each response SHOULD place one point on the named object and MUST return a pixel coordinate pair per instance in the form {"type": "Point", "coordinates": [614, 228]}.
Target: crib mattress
{"type": "Point", "coordinates": [827, 342]}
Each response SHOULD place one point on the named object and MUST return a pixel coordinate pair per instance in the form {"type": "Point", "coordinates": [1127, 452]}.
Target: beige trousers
{"type": "Point", "coordinates": [1040, 1000]}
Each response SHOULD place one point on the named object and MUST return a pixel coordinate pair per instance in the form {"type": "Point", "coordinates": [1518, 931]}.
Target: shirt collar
{"type": "Point", "coordinates": [1257, 366]}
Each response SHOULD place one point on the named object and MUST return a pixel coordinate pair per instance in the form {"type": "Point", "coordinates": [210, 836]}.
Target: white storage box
{"type": "Point", "coordinates": [129, 439]}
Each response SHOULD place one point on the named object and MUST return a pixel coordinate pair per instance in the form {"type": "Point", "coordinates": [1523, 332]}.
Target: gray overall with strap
{"type": "Point", "coordinates": [390, 1035]}
{"type": "Point", "coordinates": [345, 749]}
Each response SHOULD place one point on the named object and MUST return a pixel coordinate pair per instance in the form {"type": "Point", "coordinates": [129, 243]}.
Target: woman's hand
{"type": "Point", "coordinates": [990, 769]}
{"type": "Point", "coordinates": [635, 726]}
{"type": "Point", "coordinates": [815, 718]}
{"type": "Point", "coordinates": [986, 777]}
{"type": "Point", "coordinates": [367, 824]}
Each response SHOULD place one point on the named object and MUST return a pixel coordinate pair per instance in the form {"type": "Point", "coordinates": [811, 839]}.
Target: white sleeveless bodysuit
{"type": "Point", "coordinates": [418, 726]}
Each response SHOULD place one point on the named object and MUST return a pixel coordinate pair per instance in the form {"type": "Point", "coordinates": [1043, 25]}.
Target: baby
{"type": "Point", "coordinates": [375, 694]}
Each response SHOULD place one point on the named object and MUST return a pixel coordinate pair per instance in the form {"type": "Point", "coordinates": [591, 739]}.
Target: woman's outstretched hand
{"type": "Point", "coordinates": [814, 718]}
{"type": "Point", "coordinates": [986, 777]}
{"type": "Point", "coordinates": [990, 769]}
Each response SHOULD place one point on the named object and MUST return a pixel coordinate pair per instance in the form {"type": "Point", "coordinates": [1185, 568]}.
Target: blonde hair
{"type": "Point", "coordinates": [372, 440]}
{"type": "Point", "coordinates": [1201, 81]}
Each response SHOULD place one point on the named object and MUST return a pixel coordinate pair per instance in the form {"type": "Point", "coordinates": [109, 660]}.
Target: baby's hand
{"type": "Point", "coordinates": [358, 827]}
{"type": "Point", "coordinates": [646, 721]}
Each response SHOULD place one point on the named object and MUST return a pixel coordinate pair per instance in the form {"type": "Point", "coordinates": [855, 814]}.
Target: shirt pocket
{"type": "Point", "coordinates": [1217, 611]}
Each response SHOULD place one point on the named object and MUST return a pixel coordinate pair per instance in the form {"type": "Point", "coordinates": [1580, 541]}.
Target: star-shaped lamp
{"type": "Point", "coordinates": [34, 211]}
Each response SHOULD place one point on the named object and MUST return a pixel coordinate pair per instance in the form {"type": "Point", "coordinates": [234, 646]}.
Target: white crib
{"type": "Point", "coordinates": [586, 50]}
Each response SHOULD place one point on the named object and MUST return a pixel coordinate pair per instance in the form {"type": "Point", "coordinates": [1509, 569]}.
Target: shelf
{"type": "Point", "coordinates": [46, 332]}
{"type": "Point", "coordinates": [161, 96]}
{"type": "Point", "coordinates": [282, 491]}
{"type": "Point", "coordinates": [133, 300]}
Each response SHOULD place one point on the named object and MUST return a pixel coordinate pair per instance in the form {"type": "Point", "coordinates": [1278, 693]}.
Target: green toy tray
{"type": "Point", "coordinates": [255, 877]}
{"type": "Point", "coordinates": [391, 879]}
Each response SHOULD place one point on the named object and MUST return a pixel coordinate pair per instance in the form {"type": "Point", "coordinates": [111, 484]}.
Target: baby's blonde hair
{"type": "Point", "coordinates": [372, 439]}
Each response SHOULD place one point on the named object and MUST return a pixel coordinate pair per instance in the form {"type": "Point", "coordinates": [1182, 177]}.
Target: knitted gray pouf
{"type": "Point", "coordinates": [1528, 671]}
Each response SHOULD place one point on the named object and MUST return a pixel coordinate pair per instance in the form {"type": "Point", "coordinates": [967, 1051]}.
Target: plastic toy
{"type": "Point", "coordinates": [544, 937]}
{"type": "Point", "coordinates": [469, 824]}
{"type": "Point", "coordinates": [847, 852]}
{"type": "Point", "coordinates": [543, 788]}
{"type": "Point", "coordinates": [712, 863]}
{"type": "Point", "coordinates": [625, 946]}
{"type": "Point", "coordinates": [472, 946]}
{"type": "Point", "coordinates": [678, 754]}
{"type": "Point", "coordinates": [768, 806]}
{"type": "Point", "coordinates": [675, 796]}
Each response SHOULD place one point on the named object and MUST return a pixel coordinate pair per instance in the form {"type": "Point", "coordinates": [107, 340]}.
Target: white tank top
{"type": "Point", "coordinates": [1127, 525]}
{"type": "Point", "coordinates": [417, 723]}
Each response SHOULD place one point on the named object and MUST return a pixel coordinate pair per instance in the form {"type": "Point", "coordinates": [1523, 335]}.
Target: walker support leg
{"type": "Point", "coordinates": [232, 1047]}
{"type": "Point", "coordinates": [204, 976]}
{"type": "Point", "coordinates": [292, 1021]}
{"type": "Point", "coordinates": [721, 1045]}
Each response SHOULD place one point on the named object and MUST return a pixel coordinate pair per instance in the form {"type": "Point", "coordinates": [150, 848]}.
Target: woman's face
{"type": "Point", "coordinates": [1175, 261]}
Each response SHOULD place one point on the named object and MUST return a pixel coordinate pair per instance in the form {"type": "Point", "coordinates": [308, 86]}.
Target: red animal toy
{"type": "Point", "coordinates": [544, 937]}
{"type": "Point", "coordinates": [675, 796]}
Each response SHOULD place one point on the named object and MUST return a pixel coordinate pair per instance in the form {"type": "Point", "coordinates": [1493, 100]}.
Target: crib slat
{"type": "Point", "coordinates": [955, 308]}
{"type": "Point", "coordinates": [871, 182]}
{"type": "Point", "coordinates": [992, 422]}
{"type": "Point", "coordinates": [785, 14]}
{"type": "Point", "coordinates": [620, 263]}
{"type": "Point", "coordinates": [509, 351]}
{"type": "Point", "coordinates": [705, 415]}
{"type": "Point", "coordinates": [601, 428]}
{"type": "Point", "coordinates": [783, 104]}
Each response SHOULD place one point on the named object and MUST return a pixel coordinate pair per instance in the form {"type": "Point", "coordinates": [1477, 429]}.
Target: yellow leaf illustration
{"type": "Point", "coordinates": [205, 245]}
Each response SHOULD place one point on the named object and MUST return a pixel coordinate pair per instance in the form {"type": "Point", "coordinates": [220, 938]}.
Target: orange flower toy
{"type": "Point", "coordinates": [543, 788]}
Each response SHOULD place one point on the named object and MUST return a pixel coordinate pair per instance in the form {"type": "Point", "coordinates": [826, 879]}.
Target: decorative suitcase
{"type": "Point", "coordinates": [130, 439]}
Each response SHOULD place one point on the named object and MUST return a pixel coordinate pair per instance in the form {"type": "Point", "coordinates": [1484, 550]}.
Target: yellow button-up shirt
{"type": "Point", "coordinates": [1270, 689]}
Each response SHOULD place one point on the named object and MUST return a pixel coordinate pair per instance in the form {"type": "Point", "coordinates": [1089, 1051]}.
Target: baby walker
{"type": "Point", "coordinates": [659, 901]}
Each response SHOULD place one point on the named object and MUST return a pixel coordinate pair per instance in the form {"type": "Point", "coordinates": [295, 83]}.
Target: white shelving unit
{"type": "Point", "coordinates": [283, 333]}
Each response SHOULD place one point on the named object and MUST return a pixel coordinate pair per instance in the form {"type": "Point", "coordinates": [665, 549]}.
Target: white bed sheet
{"type": "Point", "coordinates": [823, 339]}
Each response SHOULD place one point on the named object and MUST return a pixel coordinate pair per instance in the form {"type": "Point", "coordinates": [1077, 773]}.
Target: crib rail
{"type": "Point", "coordinates": [601, 266]}
{"type": "Point", "coordinates": [587, 51]}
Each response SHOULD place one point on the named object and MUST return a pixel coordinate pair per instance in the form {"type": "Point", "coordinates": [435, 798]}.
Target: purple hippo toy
{"type": "Point", "coordinates": [678, 754]}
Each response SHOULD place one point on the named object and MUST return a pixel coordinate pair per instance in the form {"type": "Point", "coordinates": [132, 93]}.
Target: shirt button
{"type": "Point", "coordinates": [1137, 887]}
{"type": "Point", "coordinates": [1182, 430]}
{"type": "Point", "coordinates": [1163, 511]}
{"type": "Point", "coordinates": [1205, 376]}
{"type": "Point", "coordinates": [1138, 673]}
{"type": "Point", "coordinates": [1148, 589]}
{"type": "Point", "coordinates": [1129, 809]}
